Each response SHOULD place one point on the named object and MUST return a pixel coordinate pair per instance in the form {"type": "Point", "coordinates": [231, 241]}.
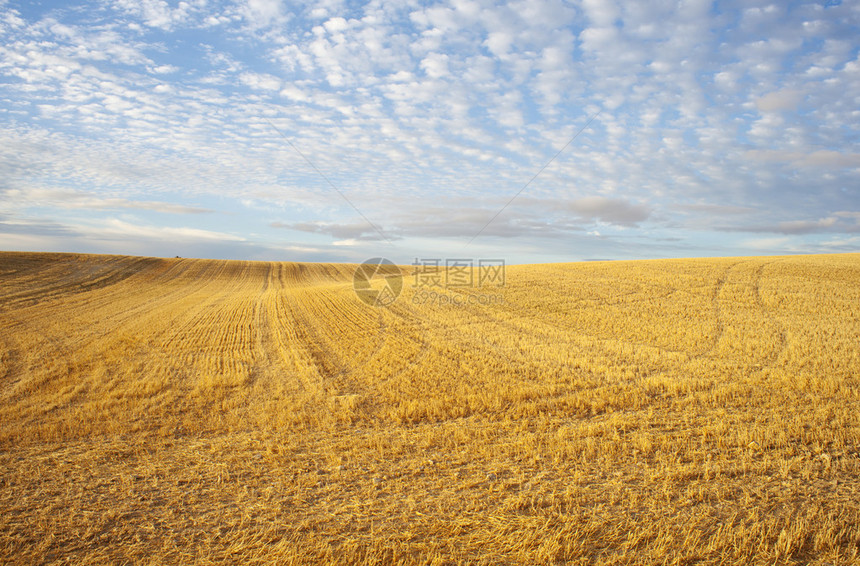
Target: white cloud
{"type": "Point", "coordinates": [71, 199]}
{"type": "Point", "coordinates": [262, 13]}
{"type": "Point", "coordinates": [25, 242]}
{"type": "Point", "coordinates": [613, 211]}
{"type": "Point", "coordinates": [435, 65]}
{"type": "Point", "coordinates": [819, 158]}
{"type": "Point", "coordinates": [602, 13]}
{"type": "Point", "coordinates": [851, 244]}
{"type": "Point", "coordinates": [848, 214]}
{"type": "Point", "coordinates": [779, 100]}
{"type": "Point", "coordinates": [294, 93]}
{"type": "Point", "coordinates": [120, 229]}
{"type": "Point", "coordinates": [164, 69]}
{"type": "Point", "coordinates": [499, 42]}
{"type": "Point", "coordinates": [158, 13]}
{"type": "Point", "coordinates": [806, 226]}
{"type": "Point", "coordinates": [766, 244]}
{"type": "Point", "coordinates": [260, 81]}
{"type": "Point", "coordinates": [336, 25]}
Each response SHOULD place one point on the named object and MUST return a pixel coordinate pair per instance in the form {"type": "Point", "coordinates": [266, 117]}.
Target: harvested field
{"type": "Point", "coordinates": [161, 411]}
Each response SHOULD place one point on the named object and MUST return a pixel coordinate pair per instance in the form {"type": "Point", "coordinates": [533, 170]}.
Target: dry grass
{"type": "Point", "coordinates": [161, 411]}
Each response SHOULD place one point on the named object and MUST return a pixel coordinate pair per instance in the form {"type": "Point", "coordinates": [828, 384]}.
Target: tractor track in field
{"type": "Point", "coordinates": [781, 336]}
{"type": "Point", "coordinates": [537, 324]}
{"type": "Point", "coordinates": [334, 369]}
{"type": "Point", "coordinates": [717, 309]}
{"type": "Point", "coordinates": [718, 312]}
{"type": "Point", "coordinates": [264, 341]}
{"type": "Point", "coordinates": [325, 363]}
{"type": "Point", "coordinates": [527, 321]}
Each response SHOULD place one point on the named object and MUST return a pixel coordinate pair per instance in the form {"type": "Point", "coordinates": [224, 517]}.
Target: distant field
{"type": "Point", "coordinates": [160, 411]}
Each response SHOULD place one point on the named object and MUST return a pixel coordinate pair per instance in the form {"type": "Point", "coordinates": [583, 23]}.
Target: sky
{"type": "Point", "coordinates": [529, 131]}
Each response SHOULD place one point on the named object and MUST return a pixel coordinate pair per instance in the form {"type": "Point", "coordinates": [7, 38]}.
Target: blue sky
{"type": "Point", "coordinates": [150, 127]}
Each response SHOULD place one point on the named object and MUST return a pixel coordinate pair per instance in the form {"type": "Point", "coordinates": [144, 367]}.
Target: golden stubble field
{"type": "Point", "coordinates": [164, 411]}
